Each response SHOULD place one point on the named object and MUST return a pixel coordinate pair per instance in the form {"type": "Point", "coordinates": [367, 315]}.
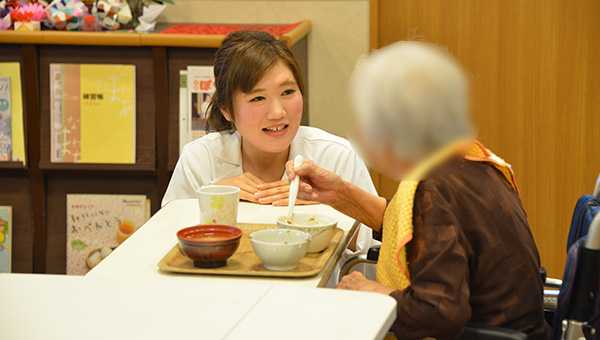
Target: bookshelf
{"type": "Point", "coordinates": [38, 190]}
{"type": "Point", "coordinates": [12, 166]}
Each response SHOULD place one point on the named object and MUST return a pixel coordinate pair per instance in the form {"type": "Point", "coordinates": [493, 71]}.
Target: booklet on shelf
{"type": "Point", "coordinates": [92, 113]}
{"type": "Point", "coordinates": [97, 224]}
{"type": "Point", "coordinates": [12, 138]}
{"type": "Point", "coordinates": [5, 124]}
{"type": "Point", "coordinates": [183, 110]}
{"type": "Point", "coordinates": [200, 87]}
{"type": "Point", "coordinates": [5, 238]}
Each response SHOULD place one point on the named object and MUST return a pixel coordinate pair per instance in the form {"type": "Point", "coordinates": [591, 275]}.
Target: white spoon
{"type": "Point", "coordinates": [294, 189]}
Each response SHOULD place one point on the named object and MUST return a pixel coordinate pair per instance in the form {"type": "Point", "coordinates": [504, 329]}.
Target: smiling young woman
{"type": "Point", "coordinates": [268, 118]}
{"type": "Point", "coordinates": [254, 119]}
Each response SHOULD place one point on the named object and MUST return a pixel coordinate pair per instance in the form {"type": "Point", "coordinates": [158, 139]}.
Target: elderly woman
{"type": "Point", "coordinates": [456, 245]}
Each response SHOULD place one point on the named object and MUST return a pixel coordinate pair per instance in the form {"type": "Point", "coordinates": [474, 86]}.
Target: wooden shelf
{"type": "Point", "coordinates": [138, 167]}
{"type": "Point", "coordinates": [12, 166]}
{"type": "Point", "coordinates": [134, 39]}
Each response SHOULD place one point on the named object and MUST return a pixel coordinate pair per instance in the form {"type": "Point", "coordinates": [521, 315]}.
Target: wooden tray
{"type": "Point", "coordinates": [245, 262]}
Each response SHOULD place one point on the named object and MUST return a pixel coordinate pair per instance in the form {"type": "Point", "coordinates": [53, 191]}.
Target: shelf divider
{"type": "Point", "coordinates": [161, 104]}
{"type": "Point", "coordinates": [36, 176]}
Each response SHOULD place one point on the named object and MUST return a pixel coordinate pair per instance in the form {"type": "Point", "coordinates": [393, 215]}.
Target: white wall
{"type": "Point", "coordinates": [340, 35]}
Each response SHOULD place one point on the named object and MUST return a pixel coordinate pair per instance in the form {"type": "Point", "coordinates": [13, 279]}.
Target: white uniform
{"type": "Point", "coordinates": [217, 156]}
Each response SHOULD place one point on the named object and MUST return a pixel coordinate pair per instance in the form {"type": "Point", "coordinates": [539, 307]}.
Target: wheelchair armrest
{"type": "Point", "coordinates": [373, 253]}
{"type": "Point", "coordinates": [372, 257]}
{"type": "Point", "coordinates": [548, 281]}
{"type": "Point", "coordinates": [483, 332]}
{"type": "Point", "coordinates": [544, 274]}
{"type": "Point", "coordinates": [552, 283]}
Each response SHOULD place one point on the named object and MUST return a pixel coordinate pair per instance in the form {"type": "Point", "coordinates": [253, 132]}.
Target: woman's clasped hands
{"type": "Point", "coordinates": [253, 189]}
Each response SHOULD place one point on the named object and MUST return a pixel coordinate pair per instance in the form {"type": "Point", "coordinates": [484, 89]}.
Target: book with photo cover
{"type": "Point", "coordinates": [97, 224]}
{"type": "Point", "coordinates": [201, 87]}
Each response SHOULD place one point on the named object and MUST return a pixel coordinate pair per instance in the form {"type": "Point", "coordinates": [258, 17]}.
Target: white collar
{"type": "Point", "coordinates": [232, 150]}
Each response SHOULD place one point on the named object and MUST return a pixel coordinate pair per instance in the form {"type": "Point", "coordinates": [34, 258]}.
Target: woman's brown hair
{"type": "Point", "coordinates": [241, 61]}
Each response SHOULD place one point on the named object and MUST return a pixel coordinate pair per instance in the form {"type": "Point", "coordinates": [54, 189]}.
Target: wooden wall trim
{"type": "Point", "coordinates": [161, 97]}
{"type": "Point", "coordinates": [373, 24]}
{"type": "Point", "coordinates": [373, 45]}
{"type": "Point", "coordinates": [36, 177]}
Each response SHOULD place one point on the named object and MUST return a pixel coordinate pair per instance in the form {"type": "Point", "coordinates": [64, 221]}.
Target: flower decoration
{"type": "Point", "coordinates": [29, 12]}
{"type": "Point", "coordinates": [217, 202]}
{"type": "Point", "coordinates": [27, 16]}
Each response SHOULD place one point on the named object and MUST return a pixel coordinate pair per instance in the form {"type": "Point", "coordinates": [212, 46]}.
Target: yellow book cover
{"type": "Point", "coordinates": [13, 70]}
{"type": "Point", "coordinates": [107, 99]}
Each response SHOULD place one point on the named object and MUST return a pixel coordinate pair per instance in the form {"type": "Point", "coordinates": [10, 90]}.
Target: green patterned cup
{"type": "Point", "coordinates": [218, 204]}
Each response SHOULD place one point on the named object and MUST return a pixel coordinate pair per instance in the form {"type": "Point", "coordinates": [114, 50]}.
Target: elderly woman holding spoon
{"type": "Point", "coordinates": [456, 244]}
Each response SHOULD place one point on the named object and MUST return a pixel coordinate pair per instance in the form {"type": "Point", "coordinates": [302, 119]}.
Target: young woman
{"type": "Point", "coordinates": [254, 117]}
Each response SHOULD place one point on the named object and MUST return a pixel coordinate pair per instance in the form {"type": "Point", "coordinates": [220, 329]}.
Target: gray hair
{"type": "Point", "coordinates": [412, 95]}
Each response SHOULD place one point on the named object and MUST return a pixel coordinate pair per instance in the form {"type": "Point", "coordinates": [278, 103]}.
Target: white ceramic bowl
{"type": "Point", "coordinates": [320, 228]}
{"type": "Point", "coordinates": [280, 249]}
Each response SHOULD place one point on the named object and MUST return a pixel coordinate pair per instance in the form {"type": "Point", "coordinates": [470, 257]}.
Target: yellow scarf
{"type": "Point", "coordinates": [392, 266]}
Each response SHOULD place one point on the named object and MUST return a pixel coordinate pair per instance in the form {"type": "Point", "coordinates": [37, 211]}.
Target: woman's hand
{"type": "Point", "coordinates": [277, 193]}
{"type": "Point", "coordinates": [316, 184]}
{"type": "Point", "coordinates": [248, 184]}
{"type": "Point", "coordinates": [357, 281]}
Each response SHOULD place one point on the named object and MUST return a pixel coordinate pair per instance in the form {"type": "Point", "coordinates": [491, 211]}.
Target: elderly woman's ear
{"type": "Point", "coordinates": [413, 97]}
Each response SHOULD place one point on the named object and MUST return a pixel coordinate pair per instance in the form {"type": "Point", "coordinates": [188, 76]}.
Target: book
{"type": "Point", "coordinates": [97, 224]}
{"type": "Point", "coordinates": [5, 238]}
{"type": "Point", "coordinates": [183, 110]}
{"type": "Point", "coordinates": [201, 87]}
{"type": "Point", "coordinates": [5, 124]}
{"type": "Point", "coordinates": [13, 72]}
{"type": "Point", "coordinates": [65, 113]}
{"type": "Point", "coordinates": [92, 113]}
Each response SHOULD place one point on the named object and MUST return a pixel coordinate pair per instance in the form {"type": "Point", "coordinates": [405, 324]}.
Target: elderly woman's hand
{"type": "Point", "coordinates": [320, 185]}
{"type": "Point", "coordinates": [357, 281]}
{"type": "Point", "coordinates": [316, 184]}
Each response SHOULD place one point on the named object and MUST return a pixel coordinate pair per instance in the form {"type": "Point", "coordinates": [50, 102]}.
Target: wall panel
{"type": "Point", "coordinates": [536, 83]}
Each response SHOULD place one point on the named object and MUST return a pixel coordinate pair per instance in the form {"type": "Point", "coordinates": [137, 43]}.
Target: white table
{"type": "Point", "coordinates": [139, 255]}
{"type": "Point", "coordinates": [75, 307]}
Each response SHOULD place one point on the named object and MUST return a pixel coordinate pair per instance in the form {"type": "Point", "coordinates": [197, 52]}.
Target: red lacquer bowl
{"type": "Point", "coordinates": [209, 245]}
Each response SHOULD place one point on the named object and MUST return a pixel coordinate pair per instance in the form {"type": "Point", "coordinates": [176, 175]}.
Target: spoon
{"type": "Point", "coordinates": [294, 189]}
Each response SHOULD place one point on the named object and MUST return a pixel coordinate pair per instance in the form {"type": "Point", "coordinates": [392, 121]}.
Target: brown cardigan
{"type": "Point", "coordinates": [472, 258]}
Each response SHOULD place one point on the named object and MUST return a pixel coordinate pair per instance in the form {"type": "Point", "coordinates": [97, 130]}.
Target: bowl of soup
{"type": "Point", "coordinates": [320, 228]}
{"type": "Point", "coordinates": [209, 246]}
{"type": "Point", "coordinates": [279, 249]}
